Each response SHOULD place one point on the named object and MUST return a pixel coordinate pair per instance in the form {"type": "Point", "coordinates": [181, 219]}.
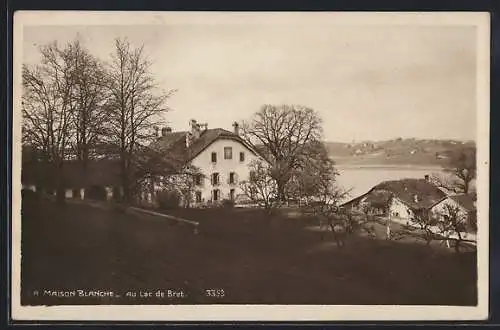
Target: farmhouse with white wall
{"type": "Point", "coordinates": [222, 156]}
{"type": "Point", "coordinates": [400, 199]}
{"type": "Point", "coordinates": [465, 205]}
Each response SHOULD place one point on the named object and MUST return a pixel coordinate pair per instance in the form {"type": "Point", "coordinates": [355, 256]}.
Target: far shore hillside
{"type": "Point", "coordinates": [396, 153]}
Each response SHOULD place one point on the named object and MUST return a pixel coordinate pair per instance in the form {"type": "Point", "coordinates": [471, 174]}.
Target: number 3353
{"type": "Point", "coordinates": [215, 293]}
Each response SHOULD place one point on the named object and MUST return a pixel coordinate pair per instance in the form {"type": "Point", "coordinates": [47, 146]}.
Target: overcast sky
{"type": "Point", "coordinates": [367, 82]}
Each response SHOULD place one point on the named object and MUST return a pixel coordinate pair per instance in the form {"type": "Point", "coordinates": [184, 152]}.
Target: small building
{"type": "Point", "coordinates": [100, 180]}
{"type": "Point", "coordinates": [400, 199]}
{"type": "Point", "coordinates": [464, 205]}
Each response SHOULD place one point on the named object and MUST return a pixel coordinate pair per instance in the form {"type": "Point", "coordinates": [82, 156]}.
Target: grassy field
{"type": "Point", "coordinates": [242, 255]}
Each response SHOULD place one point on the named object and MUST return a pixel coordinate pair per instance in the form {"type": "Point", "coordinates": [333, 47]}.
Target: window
{"type": "Point", "coordinates": [215, 179]}
{"type": "Point", "coordinates": [214, 157]}
{"type": "Point", "coordinates": [231, 194]}
{"type": "Point", "coordinates": [232, 176]}
{"type": "Point", "coordinates": [198, 197]}
{"type": "Point", "coordinates": [215, 194]}
{"type": "Point", "coordinates": [228, 153]}
{"type": "Point", "coordinates": [198, 179]}
{"type": "Point", "coordinates": [242, 156]}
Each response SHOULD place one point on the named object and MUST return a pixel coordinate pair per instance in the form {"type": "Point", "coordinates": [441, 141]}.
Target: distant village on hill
{"type": "Point", "coordinates": [399, 151]}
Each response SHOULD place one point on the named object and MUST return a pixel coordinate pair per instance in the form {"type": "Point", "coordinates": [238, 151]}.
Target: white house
{"type": "Point", "coordinates": [222, 156]}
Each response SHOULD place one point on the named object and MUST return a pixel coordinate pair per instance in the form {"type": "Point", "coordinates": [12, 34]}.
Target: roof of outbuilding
{"type": "Point", "coordinates": [405, 190]}
{"type": "Point", "coordinates": [465, 201]}
{"type": "Point", "coordinates": [102, 172]}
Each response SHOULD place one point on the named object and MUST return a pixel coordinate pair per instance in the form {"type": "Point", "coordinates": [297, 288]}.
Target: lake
{"type": "Point", "coordinates": [362, 178]}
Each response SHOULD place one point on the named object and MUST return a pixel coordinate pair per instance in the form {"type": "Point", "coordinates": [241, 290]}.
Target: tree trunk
{"type": "Point", "coordinates": [388, 229]}
{"type": "Point", "coordinates": [281, 190]}
{"type": "Point", "coordinates": [125, 181]}
{"type": "Point", "coordinates": [60, 193]}
{"type": "Point", "coordinates": [466, 186]}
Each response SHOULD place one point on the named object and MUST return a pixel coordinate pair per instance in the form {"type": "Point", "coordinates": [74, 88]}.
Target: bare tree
{"type": "Point", "coordinates": [317, 181]}
{"type": "Point", "coordinates": [421, 226]}
{"type": "Point", "coordinates": [135, 105]}
{"type": "Point", "coordinates": [313, 173]}
{"type": "Point", "coordinates": [150, 166]}
{"type": "Point", "coordinates": [454, 225]}
{"type": "Point", "coordinates": [184, 182]}
{"type": "Point", "coordinates": [341, 223]}
{"type": "Point", "coordinates": [284, 131]}
{"type": "Point", "coordinates": [448, 225]}
{"type": "Point", "coordinates": [460, 170]}
{"type": "Point", "coordinates": [261, 187]}
{"type": "Point", "coordinates": [47, 107]}
{"type": "Point", "coordinates": [88, 97]}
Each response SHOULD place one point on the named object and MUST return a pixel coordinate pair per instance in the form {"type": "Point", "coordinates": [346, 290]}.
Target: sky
{"type": "Point", "coordinates": [367, 82]}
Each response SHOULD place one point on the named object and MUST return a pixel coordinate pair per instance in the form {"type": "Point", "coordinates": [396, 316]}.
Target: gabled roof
{"type": "Point", "coordinates": [465, 201]}
{"type": "Point", "coordinates": [175, 143]}
{"type": "Point", "coordinates": [405, 190]}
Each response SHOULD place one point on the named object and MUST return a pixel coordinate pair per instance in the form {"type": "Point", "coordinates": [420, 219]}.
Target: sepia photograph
{"type": "Point", "coordinates": [250, 166]}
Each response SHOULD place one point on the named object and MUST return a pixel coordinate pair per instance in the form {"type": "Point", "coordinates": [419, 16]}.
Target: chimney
{"type": "Point", "coordinates": [236, 127]}
{"type": "Point", "coordinates": [427, 178]}
{"type": "Point", "coordinates": [188, 139]}
{"type": "Point", "coordinates": [415, 198]}
{"type": "Point", "coordinates": [195, 128]}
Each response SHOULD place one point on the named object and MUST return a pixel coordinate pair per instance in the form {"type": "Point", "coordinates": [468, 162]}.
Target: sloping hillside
{"type": "Point", "coordinates": [395, 152]}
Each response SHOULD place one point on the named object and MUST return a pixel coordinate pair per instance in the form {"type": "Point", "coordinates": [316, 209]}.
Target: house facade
{"type": "Point", "coordinates": [224, 164]}
{"type": "Point", "coordinates": [463, 204]}
{"type": "Point", "coordinates": [221, 156]}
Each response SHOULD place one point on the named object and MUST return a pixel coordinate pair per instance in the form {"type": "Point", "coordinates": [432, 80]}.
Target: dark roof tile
{"type": "Point", "coordinates": [466, 201]}
{"type": "Point", "coordinates": [175, 143]}
{"type": "Point", "coordinates": [406, 190]}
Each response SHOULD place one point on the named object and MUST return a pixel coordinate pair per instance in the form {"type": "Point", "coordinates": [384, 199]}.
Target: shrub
{"type": "Point", "coordinates": [227, 203]}
{"type": "Point", "coordinates": [168, 200]}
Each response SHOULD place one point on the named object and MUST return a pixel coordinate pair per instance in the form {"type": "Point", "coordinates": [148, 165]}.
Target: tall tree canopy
{"type": "Point", "coordinates": [285, 132]}
{"type": "Point", "coordinates": [48, 106]}
{"type": "Point", "coordinates": [134, 106]}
